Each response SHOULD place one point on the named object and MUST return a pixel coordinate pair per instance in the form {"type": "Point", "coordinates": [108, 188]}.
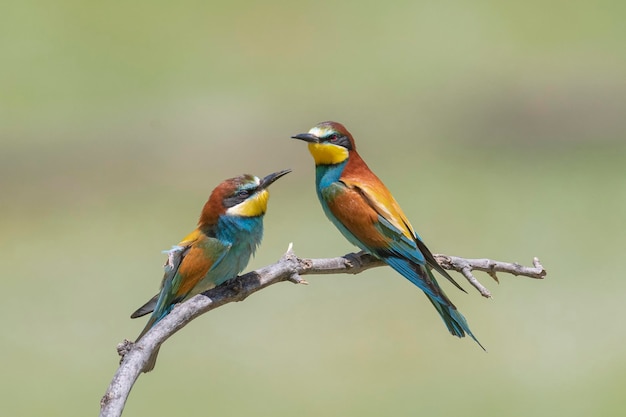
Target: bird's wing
{"type": "Point", "coordinates": [174, 259]}
{"type": "Point", "coordinates": [373, 207]}
{"type": "Point", "coordinates": [186, 265]}
{"type": "Point", "coordinates": [390, 205]}
{"type": "Point", "coordinates": [391, 223]}
{"type": "Point", "coordinates": [204, 255]}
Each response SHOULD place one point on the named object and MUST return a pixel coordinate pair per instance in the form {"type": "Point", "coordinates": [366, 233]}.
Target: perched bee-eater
{"type": "Point", "coordinates": [365, 212]}
{"type": "Point", "coordinates": [229, 230]}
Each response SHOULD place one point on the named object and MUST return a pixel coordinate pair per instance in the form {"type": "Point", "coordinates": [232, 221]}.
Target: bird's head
{"type": "Point", "coordinates": [244, 196]}
{"type": "Point", "coordinates": [329, 142]}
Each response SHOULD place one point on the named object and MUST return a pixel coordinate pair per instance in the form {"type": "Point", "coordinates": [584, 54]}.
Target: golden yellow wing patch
{"type": "Point", "coordinates": [381, 200]}
{"type": "Point", "coordinates": [190, 238]}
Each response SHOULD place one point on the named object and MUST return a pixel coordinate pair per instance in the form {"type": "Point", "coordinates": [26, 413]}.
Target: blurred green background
{"type": "Point", "coordinates": [499, 126]}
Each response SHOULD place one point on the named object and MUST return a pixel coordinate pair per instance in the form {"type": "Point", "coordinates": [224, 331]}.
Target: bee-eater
{"type": "Point", "coordinates": [229, 230]}
{"type": "Point", "coordinates": [365, 212]}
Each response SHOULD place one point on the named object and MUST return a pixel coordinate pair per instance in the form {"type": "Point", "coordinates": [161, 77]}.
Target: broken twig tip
{"type": "Point", "coordinates": [538, 265]}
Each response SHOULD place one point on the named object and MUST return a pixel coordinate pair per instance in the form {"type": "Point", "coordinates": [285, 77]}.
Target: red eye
{"type": "Point", "coordinates": [333, 138]}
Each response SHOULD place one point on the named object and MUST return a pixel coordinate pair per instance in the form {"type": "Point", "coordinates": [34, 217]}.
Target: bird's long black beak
{"type": "Point", "coordinates": [307, 137]}
{"type": "Point", "coordinates": [267, 181]}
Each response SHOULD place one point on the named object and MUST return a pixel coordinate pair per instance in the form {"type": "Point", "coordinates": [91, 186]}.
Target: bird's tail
{"type": "Point", "coordinates": [147, 308]}
{"type": "Point", "coordinates": [152, 360]}
{"type": "Point", "coordinates": [423, 278]}
{"type": "Point", "coordinates": [454, 320]}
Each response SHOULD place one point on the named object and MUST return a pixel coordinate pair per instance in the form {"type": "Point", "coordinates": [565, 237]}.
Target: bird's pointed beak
{"type": "Point", "coordinates": [307, 137]}
{"type": "Point", "coordinates": [267, 181]}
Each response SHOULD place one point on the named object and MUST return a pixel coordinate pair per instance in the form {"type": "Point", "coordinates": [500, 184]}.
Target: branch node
{"type": "Point", "coordinates": [297, 279]}
{"type": "Point", "coordinates": [105, 399]}
{"type": "Point", "coordinates": [445, 261]}
{"type": "Point", "coordinates": [466, 270]}
{"type": "Point", "coordinates": [492, 274]}
{"type": "Point", "coordinates": [124, 347]}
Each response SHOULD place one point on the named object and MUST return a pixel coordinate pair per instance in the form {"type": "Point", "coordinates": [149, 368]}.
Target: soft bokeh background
{"type": "Point", "coordinates": [499, 126]}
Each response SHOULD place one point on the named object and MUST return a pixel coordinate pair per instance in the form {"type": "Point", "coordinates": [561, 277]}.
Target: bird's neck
{"type": "Point", "coordinates": [325, 175]}
{"type": "Point", "coordinates": [239, 229]}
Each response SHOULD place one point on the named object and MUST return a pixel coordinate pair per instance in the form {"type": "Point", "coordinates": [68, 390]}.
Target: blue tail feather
{"type": "Point", "coordinates": [454, 321]}
{"type": "Point", "coordinates": [423, 278]}
{"type": "Point", "coordinates": [411, 271]}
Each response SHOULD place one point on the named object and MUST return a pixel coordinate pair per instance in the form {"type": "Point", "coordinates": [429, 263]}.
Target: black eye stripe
{"type": "Point", "coordinates": [238, 197]}
{"type": "Point", "coordinates": [338, 139]}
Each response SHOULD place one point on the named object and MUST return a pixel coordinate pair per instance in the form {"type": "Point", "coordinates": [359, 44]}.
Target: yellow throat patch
{"type": "Point", "coordinates": [327, 153]}
{"type": "Point", "coordinates": [252, 207]}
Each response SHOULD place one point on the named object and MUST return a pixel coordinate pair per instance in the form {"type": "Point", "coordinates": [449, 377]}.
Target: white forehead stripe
{"type": "Point", "coordinates": [320, 132]}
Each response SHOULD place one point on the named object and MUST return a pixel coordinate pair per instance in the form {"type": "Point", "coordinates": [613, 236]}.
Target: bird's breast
{"type": "Point", "coordinates": [242, 235]}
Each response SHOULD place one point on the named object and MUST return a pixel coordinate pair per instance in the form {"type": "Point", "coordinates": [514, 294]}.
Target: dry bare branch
{"type": "Point", "coordinates": [288, 268]}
